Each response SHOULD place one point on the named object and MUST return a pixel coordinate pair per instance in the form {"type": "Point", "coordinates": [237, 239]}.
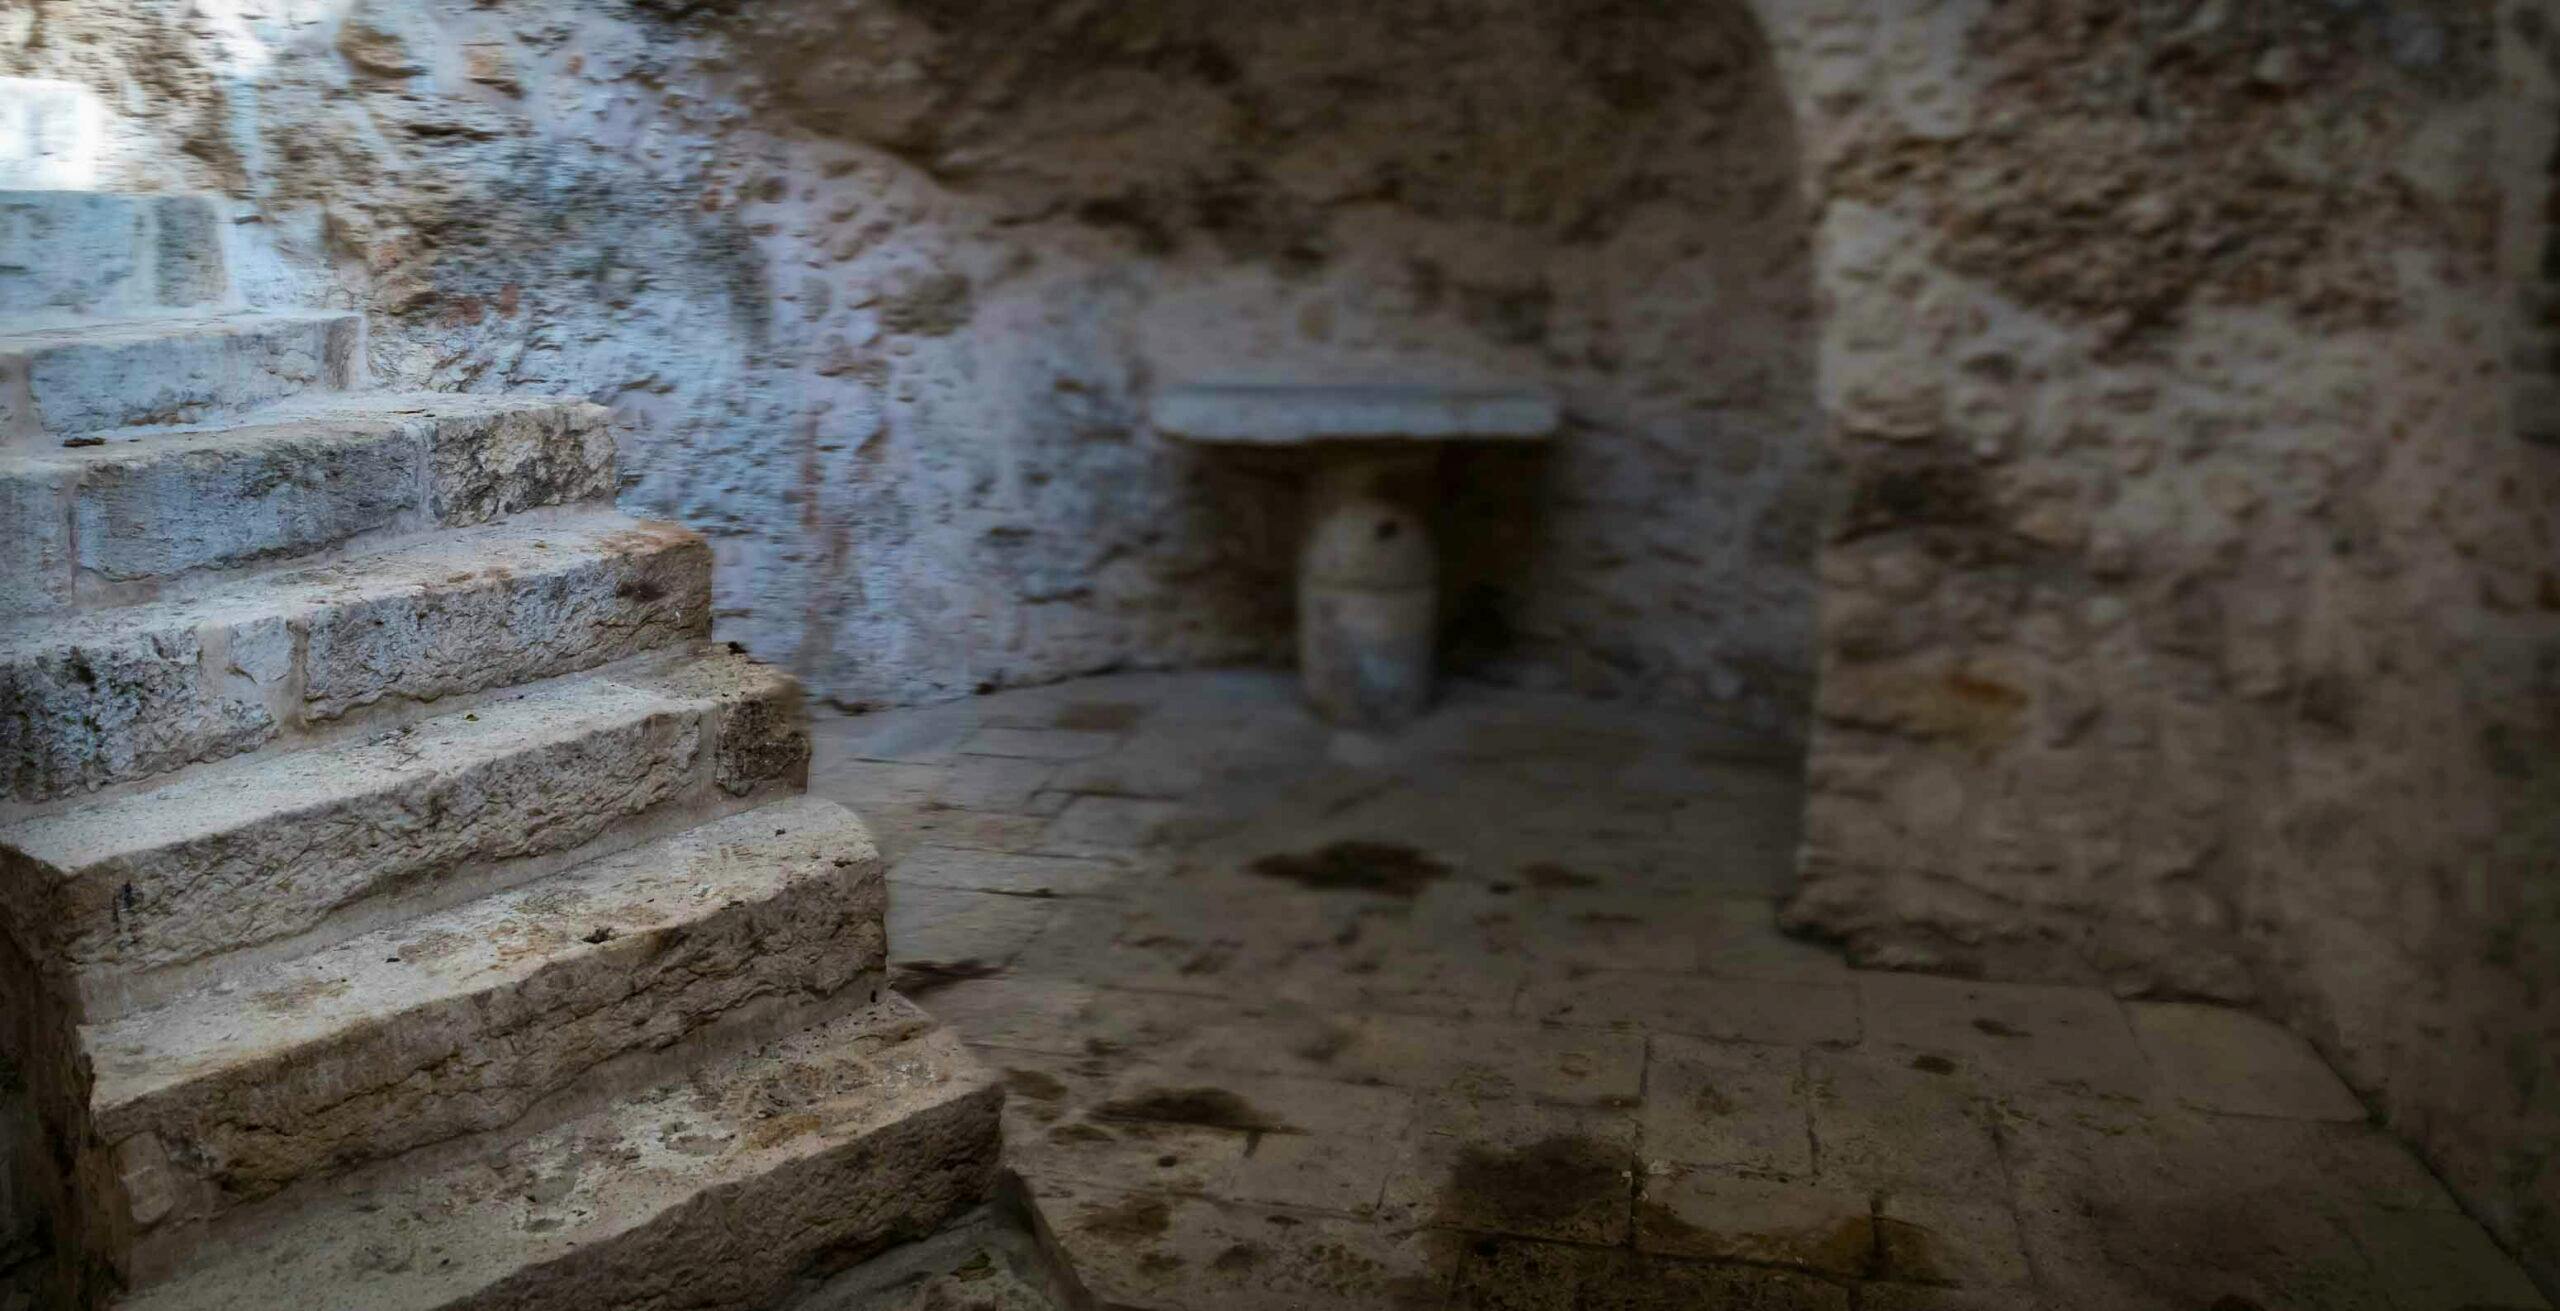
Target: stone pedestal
{"type": "Point", "coordinates": [1368, 590]}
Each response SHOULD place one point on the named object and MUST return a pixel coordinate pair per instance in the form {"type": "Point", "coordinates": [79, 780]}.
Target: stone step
{"type": "Point", "coordinates": [722, 1189]}
{"type": "Point", "coordinates": [64, 377]}
{"type": "Point", "coordinates": [124, 903]}
{"type": "Point", "coordinates": [107, 697]}
{"type": "Point", "coordinates": [99, 252]}
{"type": "Point", "coordinates": [123, 520]}
{"type": "Point", "coordinates": [460, 1022]}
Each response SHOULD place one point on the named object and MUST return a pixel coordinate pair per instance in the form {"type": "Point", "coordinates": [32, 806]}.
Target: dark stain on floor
{"type": "Point", "coordinates": [1906, 1253]}
{"type": "Point", "coordinates": [1999, 1030]}
{"type": "Point", "coordinates": [1099, 716]}
{"type": "Point", "coordinates": [1387, 868]}
{"type": "Point", "coordinates": [1549, 874]}
{"type": "Point", "coordinates": [923, 978]}
{"type": "Point", "coordinates": [1558, 1187]}
{"type": "Point", "coordinates": [1932, 1063]}
{"type": "Point", "coordinates": [1214, 1108]}
{"type": "Point", "coordinates": [1844, 1248]}
{"type": "Point", "coordinates": [1033, 1084]}
{"type": "Point", "coordinates": [1131, 1220]}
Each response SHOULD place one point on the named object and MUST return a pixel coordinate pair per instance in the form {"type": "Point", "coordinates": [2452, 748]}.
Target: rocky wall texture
{"type": "Point", "coordinates": [877, 290]}
{"type": "Point", "coordinates": [2192, 618]}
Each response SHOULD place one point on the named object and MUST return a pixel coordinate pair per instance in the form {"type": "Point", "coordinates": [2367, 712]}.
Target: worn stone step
{"type": "Point", "coordinates": [722, 1189]}
{"type": "Point", "coordinates": [460, 1022]}
{"type": "Point", "coordinates": [64, 377]}
{"type": "Point", "coordinates": [124, 903]}
{"type": "Point", "coordinates": [107, 697]}
{"type": "Point", "coordinates": [124, 520]}
{"type": "Point", "coordinates": [102, 252]}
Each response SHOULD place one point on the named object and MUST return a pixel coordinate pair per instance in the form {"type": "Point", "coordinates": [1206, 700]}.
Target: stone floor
{"type": "Point", "coordinates": [1494, 1015]}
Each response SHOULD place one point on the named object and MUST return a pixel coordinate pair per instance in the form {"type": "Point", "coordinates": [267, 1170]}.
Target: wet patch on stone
{"type": "Point", "coordinates": [1907, 1253]}
{"type": "Point", "coordinates": [1387, 868]}
{"type": "Point", "coordinates": [1131, 1220]}
{"type": "Point", "coordinates": [1550, 875]}
{"type": "Point", "coordinates": [1034, 1085]}
{"type": "Point", "coordinates": [922, 978]}
{"type": "Point", "coordinates": [1558, 1187]}
{"type": "Point", "coordinates": [1214, 1108]}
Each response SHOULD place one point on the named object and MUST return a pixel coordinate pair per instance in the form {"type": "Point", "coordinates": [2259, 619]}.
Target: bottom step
{"type": "Point", "coordinates": [723, 1190]}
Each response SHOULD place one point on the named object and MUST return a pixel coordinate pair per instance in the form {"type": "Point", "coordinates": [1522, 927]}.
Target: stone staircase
{"type": "Point", "coordinates": [405, 904]}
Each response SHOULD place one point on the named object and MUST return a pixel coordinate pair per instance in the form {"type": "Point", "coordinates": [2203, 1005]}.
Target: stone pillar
{"type": "Point", "coordinates": [1368, 589]}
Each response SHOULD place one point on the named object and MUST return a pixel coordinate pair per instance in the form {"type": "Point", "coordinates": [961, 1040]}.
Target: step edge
{"type": "Point", "coordinates": [107, 1096]}
{"type": "Point", "coordinates": [105, 990]}
{"type": "Point", "coordinates": [965, 1096]}
{"type": "Point", "coordinates": [250, 713]}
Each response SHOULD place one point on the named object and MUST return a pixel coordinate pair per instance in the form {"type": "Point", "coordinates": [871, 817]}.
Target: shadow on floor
{"type": "Point", "coordinates": [1495, 1014]}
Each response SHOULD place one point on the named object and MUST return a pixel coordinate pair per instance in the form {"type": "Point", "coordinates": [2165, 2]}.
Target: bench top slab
{"type": "Point", "coordinates": [1299, 415]}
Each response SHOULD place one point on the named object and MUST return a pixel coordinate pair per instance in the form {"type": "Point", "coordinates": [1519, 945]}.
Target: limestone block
{"type": "Point", "coordinates": [509, 455]}
{"type": "Point", "coordinates": [262, 849]}
{"type": "Point", "coordinates": [169, 508]}
{"type": "Point", "coordinates": [150, 505]}
{"type": "Point", "coordinates": [720, 1190]}
{"type": "Point", "coordinates": [124, 694]}
{"type": "Point", "coordinates": [490, 627]}
{"type": "Point", "coordinates": [73, 376]}
{"type": "Point", "coordinates": [35, 537]}
{"type": "Point", "coordinates": [459, 1022]}
{"type": "Point", "coordinates": [104, 706]}
{"type": "Point", "coordinates": [100, 252]}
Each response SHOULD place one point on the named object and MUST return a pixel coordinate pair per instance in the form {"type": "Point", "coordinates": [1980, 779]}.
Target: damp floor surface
{"type": "Point", "coordinates": [1495, 1014]}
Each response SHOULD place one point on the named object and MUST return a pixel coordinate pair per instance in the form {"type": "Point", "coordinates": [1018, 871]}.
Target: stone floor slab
{"type": "Point", "coordinates": [1157, 1252]}
{"type": "Point", "coordinates": [1524, 1169]}
{"type": "Point", "coordinates": [1880, 1124]}
{"type": "Point", "coordinates": [1735, 1010]}
{"type": "Point", "coordinates": [990, 871]}
{"type": "Point", "coordinates": [1038, 743]}
{"type": "Point", "coordinates": [1969, 1242]}
{"type": "Point", "coordinates": [1737, 1107]}
{"type": "Point", "coordinates": [2215, 1058]}
{"type": "Point", "coordinates": [949, 925]}
{"type": "Point", "coordinates": [1108, 826]}
{"type": "Point", "coordinates": [2018, 1034]}
{"type": "Point", "coordinates": [2439, 1261]}
{"type": "Point", "coordinates": [1815, 1228]}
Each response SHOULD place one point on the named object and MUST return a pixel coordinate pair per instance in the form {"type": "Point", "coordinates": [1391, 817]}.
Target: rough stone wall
{"type": "Point", "coordinates": [877, 289]}
{"type": "Point", "coordinates": [2192, 619]}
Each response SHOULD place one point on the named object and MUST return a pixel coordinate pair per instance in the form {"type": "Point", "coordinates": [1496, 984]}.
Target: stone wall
{"type": "Point", "coordinates": [877, 289]}
{"type": "Point", "coordinates": [2192, 620]}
